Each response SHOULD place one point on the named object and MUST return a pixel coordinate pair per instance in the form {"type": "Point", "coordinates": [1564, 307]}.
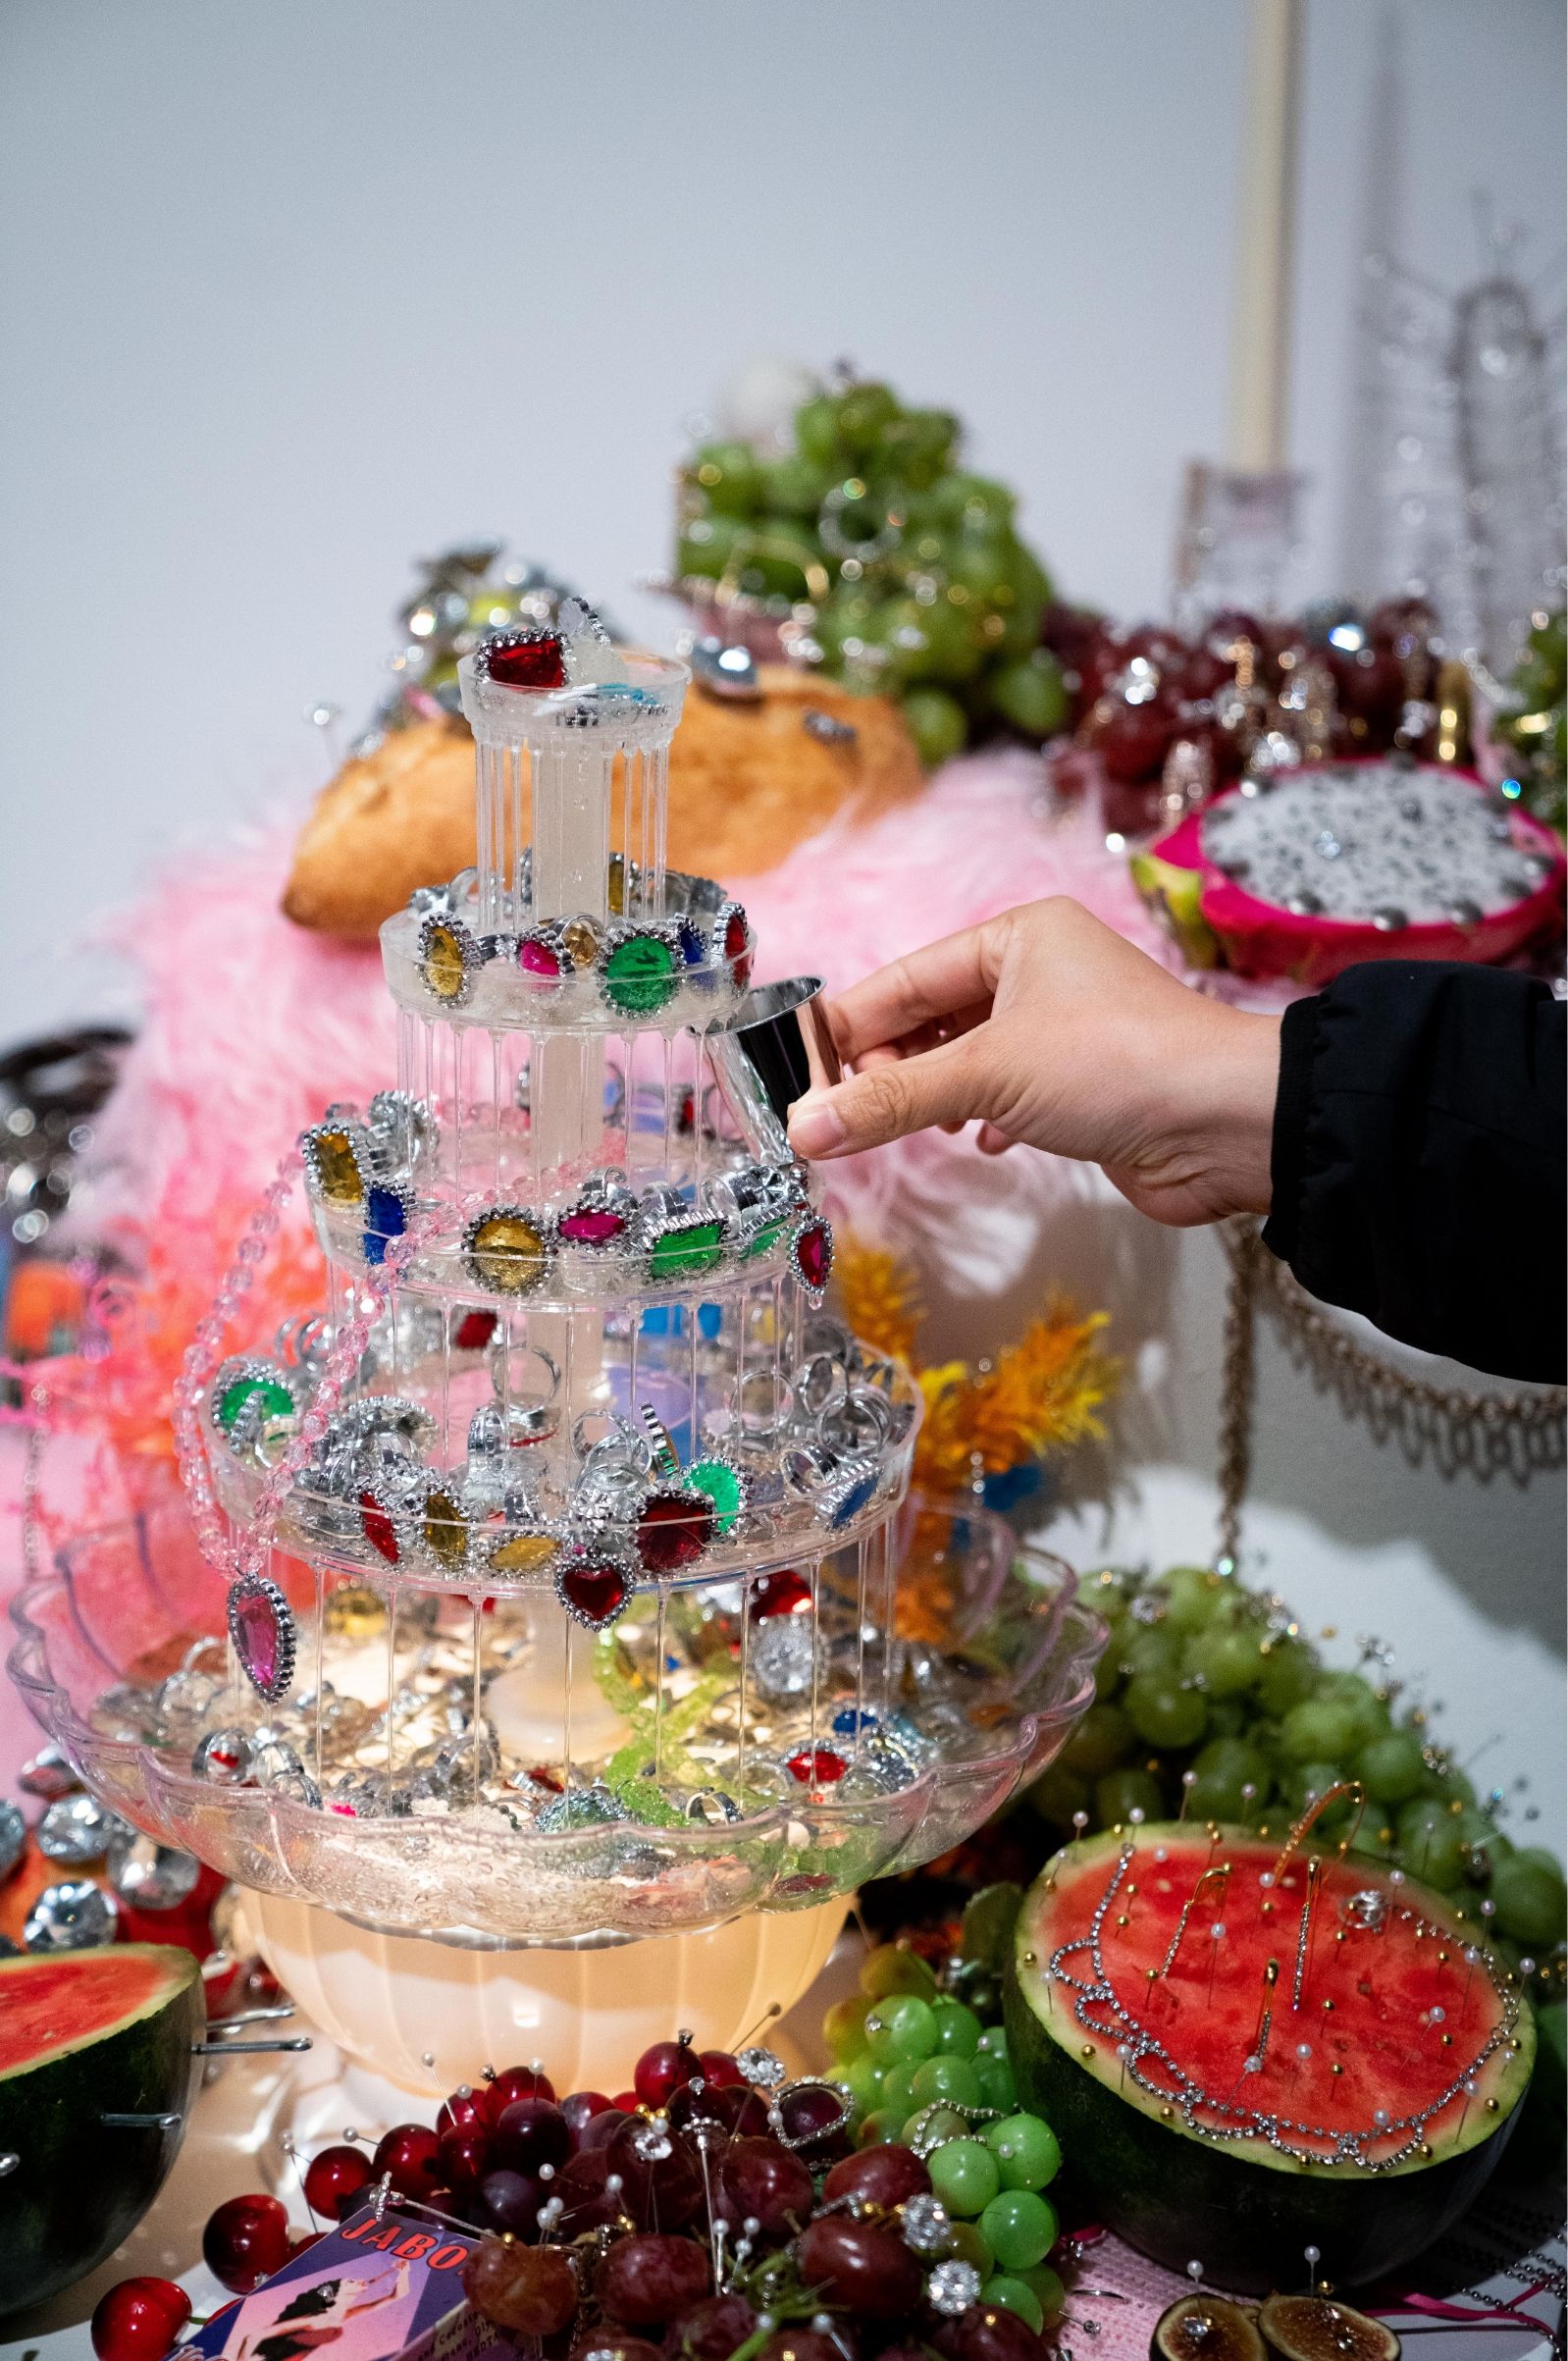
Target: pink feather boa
{"type": "Point", "coordinates": [253, 1025]}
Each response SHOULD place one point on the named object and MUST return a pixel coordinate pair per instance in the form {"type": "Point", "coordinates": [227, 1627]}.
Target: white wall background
{"type": "Point", "coordinates": [296, 288]}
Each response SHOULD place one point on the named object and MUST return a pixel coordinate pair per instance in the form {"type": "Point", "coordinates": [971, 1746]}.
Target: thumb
{"type": "Point", "coordinates": [887, 1102]}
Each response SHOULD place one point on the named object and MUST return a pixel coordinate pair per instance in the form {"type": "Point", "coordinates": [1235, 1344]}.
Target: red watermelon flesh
{"type": "Point", "coordinates": [85, 2036]}
{"type": "Point", "coordinates": [1407, 2009]}
{"type": "Point", "coordinates": [1169, 2135]}
{"type": "Point", "coordinates": [65, 2001]}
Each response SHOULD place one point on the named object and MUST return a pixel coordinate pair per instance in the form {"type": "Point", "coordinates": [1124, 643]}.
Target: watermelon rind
{"type": "Point", "coordinates": [79, 2186]}
{"type": "Point", "coordinates": [1244, 2210]}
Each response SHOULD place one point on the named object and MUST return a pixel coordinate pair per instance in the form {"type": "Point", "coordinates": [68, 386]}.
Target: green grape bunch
{"type": "Point", "coordinates": [1212, 1704]}
{"type": "Point", "coordinates": [907, 571]}
{"type": "Point", "coordinates": [924, 2058]}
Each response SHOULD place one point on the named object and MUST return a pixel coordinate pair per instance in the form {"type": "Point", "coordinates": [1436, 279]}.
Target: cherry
{"type": "Point", "coordinates": [532, 2133]}
{"type": "Point", "coordinates": [466, 2110]}
{"type": "Point", "coordinates": [303, 2242]}
{"type": "Point", "coordinates": [512, 2202]}
{"type": "Point", "coordinates": [586, 2201]}
{"type": "Point", "coordinates": [1203, 672]}
{"type": "Point", "coordinates": [987, 2333]}
{"type": "Point", "coordinates": [759, 2180]}
{"type": "Point", "coordinates": [713, 2329]}
{"type": "Point", "coordinates": [580, 2107]}
{"type": "Point", "coordinates": [860, 2266]}
{"type": "Point", "coordinates": [663, 2068]}
{"type": "Point", "coordinates": [627, 2101]}
{"type": "Point", "coordinates": [882, 2177]}
{"type": "Point", "coordinates": [412, 2154]}
{"type": "Point", "coordinates": [1132, 740]}
{"type": "Point", "coordinates": [1231, 624]}
{"type": "Point", "coordinates": [517, 2083]}
{"type": "Point", "coordinates": [647, 2280]}
{"type": "Point", "coordinates": [600, 2129]}
{"type": "Point", "coordinates": [246, 2242]}
{"type": "Point", "coordinates": [720, 2071]}
{"type": "Point", "coordinates": [466, 2157]}
{"type": "Point", "coordinates": [333, 2180]}
{"type": "Point", "coordinates": [138, 2320]}
{"type": "Point", "coordinates": [529, 2289]}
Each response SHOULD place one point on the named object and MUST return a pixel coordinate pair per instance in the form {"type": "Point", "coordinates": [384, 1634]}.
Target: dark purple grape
{"type": "Point", "coordinates": [697, 2103]}
{"type": "Point", "coordinates": [580, 2107]}
{"type": "Point", "coordinates": [883, 2177]}
{"type": "Point", "coordinates": [584, 2201]}
{"type": "Point", "coordinates": [761, 2181]}
{"type": "Point", "coordinates": [660, 2192]}
{"type": "Point", "coordinates": [531, 2133]}
{"type": "Point", "coordinates": [811, 2111]}
{"type": "Point", "coordinates": [531, 2289]}
{"type": "Point", "coordinates": [860, 2266]}
{"type": "Point", "coordinates": [600, 2129]}
{"type": "Point", "coordinates": [517, 2083]}
{"type": "Point", "coordinates": [741, 2113]}
{"type": "Point", "coordinates": [710, 2330]}
{"type": "Point", "coordinates": [608, 2343]}
{"type": "Point", "coordinates": [801, 2344]}
{"type": "Point", "coordinates": [646, 2281]}
{"type": "Point", "coordinates": [986, 2333]}
{"type": "Point", "coordinates": [512, 2201]}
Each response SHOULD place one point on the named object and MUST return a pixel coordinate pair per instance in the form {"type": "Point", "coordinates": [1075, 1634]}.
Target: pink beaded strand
{"type": "Point", "coordinates": [201, 1361]}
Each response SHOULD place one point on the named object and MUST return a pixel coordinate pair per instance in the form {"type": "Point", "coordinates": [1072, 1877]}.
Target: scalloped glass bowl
{"type": "Point", "coordinates": [990, 1648]}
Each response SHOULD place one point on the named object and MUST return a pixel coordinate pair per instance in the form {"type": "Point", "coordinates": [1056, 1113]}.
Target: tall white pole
{"type": "Point", "coordinates": [1260, 347]}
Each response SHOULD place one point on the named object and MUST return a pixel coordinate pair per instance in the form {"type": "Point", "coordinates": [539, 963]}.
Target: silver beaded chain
{"type": "Point", "coordinates": [1224, 2119]}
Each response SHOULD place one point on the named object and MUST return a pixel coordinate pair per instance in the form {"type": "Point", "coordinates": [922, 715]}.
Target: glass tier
{"type": "Point", "coordinates": [485, 1771]}
{"type": "Point", "coordinates": [505, 1447]}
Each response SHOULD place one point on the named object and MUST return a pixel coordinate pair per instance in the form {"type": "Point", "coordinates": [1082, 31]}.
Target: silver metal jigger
{"type": "Point", "coordinates": [773, 1049]}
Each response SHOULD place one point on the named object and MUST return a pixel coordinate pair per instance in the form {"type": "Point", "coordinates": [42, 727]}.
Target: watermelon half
{"type": "Point", "coordinates": [1189, 2154]}
{"type": "Point", "coordinates": [85, 2035]}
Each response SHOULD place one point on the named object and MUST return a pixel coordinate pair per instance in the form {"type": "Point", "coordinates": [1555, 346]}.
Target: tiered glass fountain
{"type": "Point", "coordinates": [573, 1590]}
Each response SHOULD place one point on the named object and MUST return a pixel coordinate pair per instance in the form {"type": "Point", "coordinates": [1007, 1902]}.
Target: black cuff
{"type": "Point", "coordinates": [1287, 1148]}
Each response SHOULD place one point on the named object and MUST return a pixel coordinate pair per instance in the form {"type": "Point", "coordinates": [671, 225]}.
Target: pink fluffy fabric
{"type": "Point", "coordinates": [253, 1026]}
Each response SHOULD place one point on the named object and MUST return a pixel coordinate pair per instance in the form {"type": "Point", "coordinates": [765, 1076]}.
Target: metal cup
{"type": "Point", "coordinates": [774, 1048]}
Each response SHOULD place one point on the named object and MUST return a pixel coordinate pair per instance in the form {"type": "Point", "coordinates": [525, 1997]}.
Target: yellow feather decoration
{"type": "Point", "coordinates": [1040, 1394]}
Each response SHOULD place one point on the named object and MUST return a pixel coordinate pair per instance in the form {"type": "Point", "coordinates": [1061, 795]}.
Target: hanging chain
{"type": "Point", "coordinates": [1241, 1243]}
{"type": "Point", "coordinates": [1514, 1432]}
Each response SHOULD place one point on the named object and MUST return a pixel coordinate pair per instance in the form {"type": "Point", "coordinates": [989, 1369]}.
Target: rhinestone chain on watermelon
{"type": "Point", "coordinates": [202, 1358]}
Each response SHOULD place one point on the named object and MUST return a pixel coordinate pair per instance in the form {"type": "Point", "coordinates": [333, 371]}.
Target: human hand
{"type": "Point", "coordinates": [1048, 1027]}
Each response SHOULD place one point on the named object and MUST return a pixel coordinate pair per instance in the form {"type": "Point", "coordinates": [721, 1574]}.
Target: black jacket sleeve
{"type": "Point", "coordinates": [1418, 1159]}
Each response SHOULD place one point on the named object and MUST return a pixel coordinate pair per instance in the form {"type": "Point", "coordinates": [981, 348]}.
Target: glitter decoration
{"type": "Point", "coordinates": [148, 1876]}
{"type": "Point", "coordinates": [13, 1838]}
{"type": "Point", "coordinates": [762, 2068]}
{"type": "Point", "coordinates": [73, 1915]}
{"type": "Point", "coordinates": [952, 2287]}
{"type": "Point", "coordinates": [223, 1757]}
{"type": "Point", "coordinates": [926, 2225]}
{"type": "Point", "coordinates": [261, 1626]}
{"type": "Point", "coordinates": [77, 1830]}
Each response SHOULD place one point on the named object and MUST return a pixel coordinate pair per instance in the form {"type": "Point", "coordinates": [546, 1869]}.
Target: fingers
{"type": "Point", "coordinates": [890, 1100]}
{"type": "Point", "coordinates": [952, 978]}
